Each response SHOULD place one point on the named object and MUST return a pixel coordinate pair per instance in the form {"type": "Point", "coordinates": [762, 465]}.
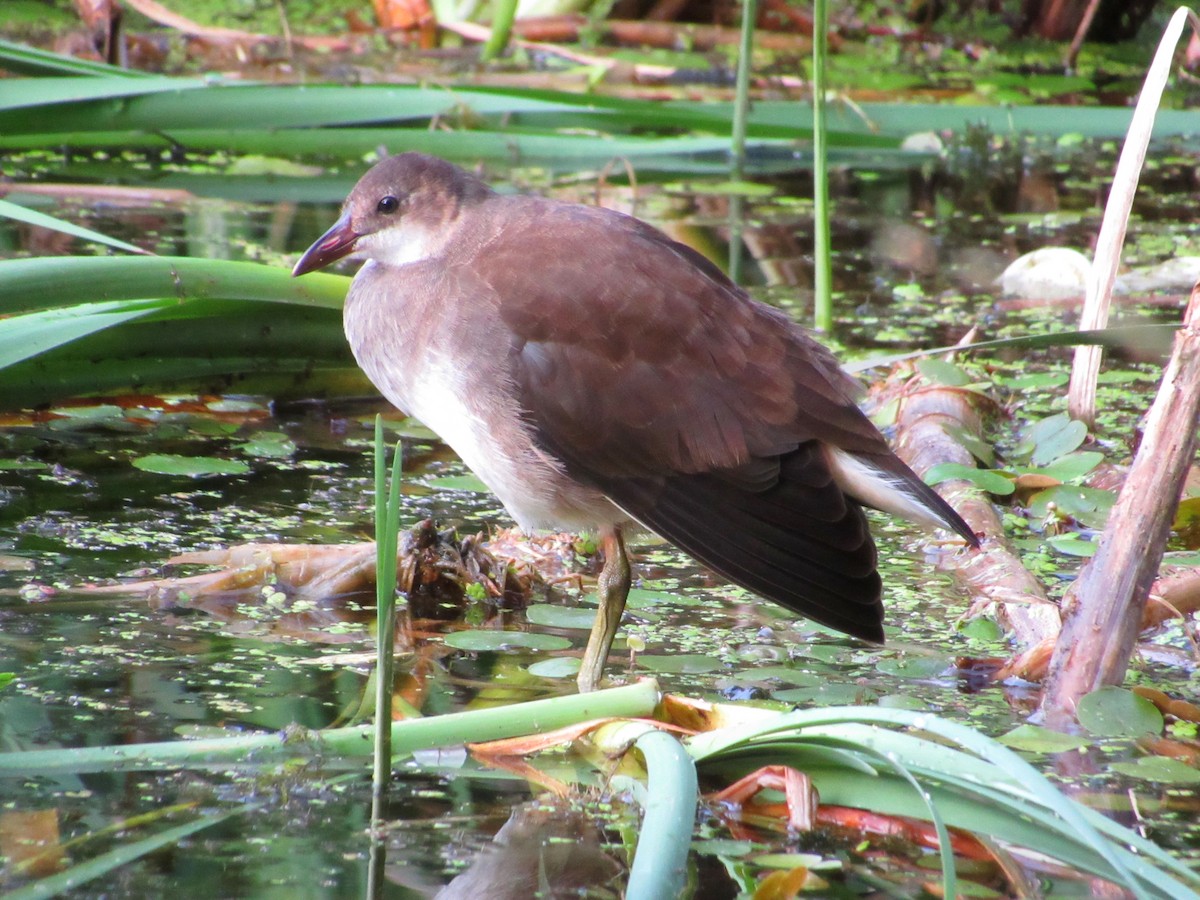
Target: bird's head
{"type": "Point", "coordinates": [398, 213]}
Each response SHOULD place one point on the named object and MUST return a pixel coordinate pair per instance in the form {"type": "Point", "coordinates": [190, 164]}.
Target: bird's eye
{"type": "Point", "coordinates": [388, 205]}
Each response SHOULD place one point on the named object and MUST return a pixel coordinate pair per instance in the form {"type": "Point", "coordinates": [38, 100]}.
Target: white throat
{"type": "Point", "coordinates": [403, 243]}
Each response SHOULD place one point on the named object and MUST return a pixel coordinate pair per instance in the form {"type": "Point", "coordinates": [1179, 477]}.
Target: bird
{"type": "Point", "coordinates": [599, 376]}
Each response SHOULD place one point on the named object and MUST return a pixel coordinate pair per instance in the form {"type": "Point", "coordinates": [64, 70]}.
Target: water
{"type": "Point", "coordinates": [917, 254]}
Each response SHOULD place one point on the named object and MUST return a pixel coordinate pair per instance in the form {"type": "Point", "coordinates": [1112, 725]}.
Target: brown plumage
{"type": "Point", "coordinates": [596, 374]}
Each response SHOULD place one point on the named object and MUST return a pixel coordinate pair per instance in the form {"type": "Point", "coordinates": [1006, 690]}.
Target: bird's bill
{"type": "Point", "coordinates": [337, 242]}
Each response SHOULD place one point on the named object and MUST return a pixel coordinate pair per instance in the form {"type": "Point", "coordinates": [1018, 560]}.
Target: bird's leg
{"type": "Point", "coordinates": [612, 589]}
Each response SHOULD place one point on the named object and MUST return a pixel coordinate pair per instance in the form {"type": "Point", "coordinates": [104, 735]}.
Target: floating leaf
{"type": "Point", "coordinates": [273, 444]}
{"type": "Point", "coordinates": [836, 694]}
{"type": "Point", "coordinates": [236, 405]}
{"type": "Point", "coordinates": [1116, 712]}
{"type": "Point", "coordinates": [556, 667]}
{"type": "Point", "coordinates": [482, 641]}
{"type": "Point", "coordinates": [1072, 545]}
{"type": "Point", "coordinates": [194, 466]}
{"type": "Point", "coordinates": [22, 465]}
{"type": "Point", "coordinates": [410, 428]}
{"type": "Point", "coordinates": [913, 666]}
{"type": "Point", "coordinates": [945, 373]}
{"type": "Point", "coordinates": [1088, 506]}
{"type": "Point", "coordinates": [1159, 768]}
{"type": "Point", "coordinates": [1035, 739]}
{"type": "Point", "coordinates": [984, 479]}
{"type": "Point", "coordinates": [902, 701]}
{"type": "Point", "coordinates": [730, 189]}
{"type": "Point", "coordinates": [1055, 436]}
{"type": "Point", "coordinates": [979, 449]}
{"type": "Point", "coordinates": [458, 483]}
{"type": "Point", "coordinates": [555, 616]}
{"type": "Point", "coordinates": [1038, 380]}
{"type": "Point", "coordinates": [783, 674]}
{"type": "Point", "coordinates": [680, 663]}
{"type": "Point", "coordinates": [1186, 516]}
{"type": "Point", "coordinates": [981, 628]}
{"type": "Point", "coordinates": [1072, 465]}
{"type": "Point", "coordinates": [640, 598]}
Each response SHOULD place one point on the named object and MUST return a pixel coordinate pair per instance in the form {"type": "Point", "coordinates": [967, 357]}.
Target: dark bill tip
{"type": "Point", "coordinates": [337, 242]}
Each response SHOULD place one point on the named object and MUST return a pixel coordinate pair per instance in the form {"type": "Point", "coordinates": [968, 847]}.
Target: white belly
{"type": "Point", "coordinates": [494, 443]}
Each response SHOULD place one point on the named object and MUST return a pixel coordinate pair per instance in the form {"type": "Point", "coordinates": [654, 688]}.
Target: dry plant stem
{"type": "Point", "coordinates": [1103, 609]}
{"type": "Point", "coordinates": [994, 573]}
{"type": "Point", "coordinates": [1085, 25]}
{"type": "Point", "coordinates": [1081, 399]}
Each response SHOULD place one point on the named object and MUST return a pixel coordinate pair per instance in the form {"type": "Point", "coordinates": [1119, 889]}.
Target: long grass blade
{"type": "Point", "coordinates": [107, 863]}
{"type": "Point", "coordinates": [30, 61]}
{"type": "Point", "coordinates": [10, 210]}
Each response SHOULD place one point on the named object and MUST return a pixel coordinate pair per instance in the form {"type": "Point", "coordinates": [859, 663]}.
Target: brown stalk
{"type": "Point", "coordinates": [1104, 607]}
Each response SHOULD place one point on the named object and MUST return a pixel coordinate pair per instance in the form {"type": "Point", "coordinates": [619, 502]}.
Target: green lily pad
{"type": "Point", "coordinates": [410, 428]}
{"type": "Point", "coordinates": [1116, 712]}
{"type": "Point", "coordinates": [902, 701]}
{"type": "Point", "coordinates": [458, 483]}
{"type": "Point", "coordinates": [835, 694]}
{"type": "Point", "coordinates": [560, 616]}
{"type": "Point", "coordinates": [555, 667]}
{"type": "Point", "coordinates": [641, 598]}
{"type": "Point", "coordinates": [913, 666]}
{"type": "Point", "coordinates": [984, 479]}
{"type": "Point", "coordinates": [91, 413]}
{"type": "Point", "coordinates": [22, 465]}
{"type": "Point", "coordinates": [1072, 544]}
{"type": "Point", "coordinates": [194, 466]}
{"type": "Point", "coordinates": [1072, 465]}
{"type": "Point", "coordinates": [482, 641]}
{"type": "Point", "coordinates": [1038, 380]}
{"type": "Point", "coordinates": [1162, 769]}
{"type": "Point", "coordinates": [1088, 506]}
{"type": "Point", "coordinates": [272, 444]}
{"type": "Point", "coordinates": [1035, 739]}
{"type": "Point", "coordinates": [1055, 436]}
{"type": "Point", "coordinates": [945, 373]}
{"type": "Point", "coordinates": [680, 663]}
{"type": "Point", "coordinates": [981, 628]}
{"type": "Point", "coordinates": [783, 674]}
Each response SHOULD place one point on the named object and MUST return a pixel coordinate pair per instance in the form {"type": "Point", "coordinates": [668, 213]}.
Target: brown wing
{"type": "Point", "coordinates": [696, 410]}
{"type": "Point", "coordinates": [643, 358]}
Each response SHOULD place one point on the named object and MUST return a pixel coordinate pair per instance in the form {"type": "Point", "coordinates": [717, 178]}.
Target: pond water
{"type": "Point", "coordinates": [917, 254]}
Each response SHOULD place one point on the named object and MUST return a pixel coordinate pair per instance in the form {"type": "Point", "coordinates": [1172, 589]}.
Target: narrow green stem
{"type": "Point", "coordinates": [408, 735]}
{"type": "Point", "coordinates": [504, 13]}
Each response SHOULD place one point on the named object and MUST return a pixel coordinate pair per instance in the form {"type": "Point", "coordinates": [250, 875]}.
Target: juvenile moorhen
{"type": "Point", "coordinates": [598, 376]}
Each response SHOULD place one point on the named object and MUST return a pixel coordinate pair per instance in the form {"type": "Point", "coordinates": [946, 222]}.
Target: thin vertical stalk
{"type": "Point", "coordinates": [504, 13]}
{"type": "Point", "coordinates": [822, 263]}
{"type": "Point", "coordinates": [741, 113]}
{"type": "Point", "coordinates": [387, 536]}
{"type": "Point", "coordinates": [387, 528]}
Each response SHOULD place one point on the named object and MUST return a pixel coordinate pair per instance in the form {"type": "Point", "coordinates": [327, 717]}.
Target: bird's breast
{"type": "Point", "coordinates": [444, 360]}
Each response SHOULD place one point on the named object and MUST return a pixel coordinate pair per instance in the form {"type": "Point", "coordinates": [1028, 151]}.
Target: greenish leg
{"type": "Point", "coordinates": [612, 589]}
